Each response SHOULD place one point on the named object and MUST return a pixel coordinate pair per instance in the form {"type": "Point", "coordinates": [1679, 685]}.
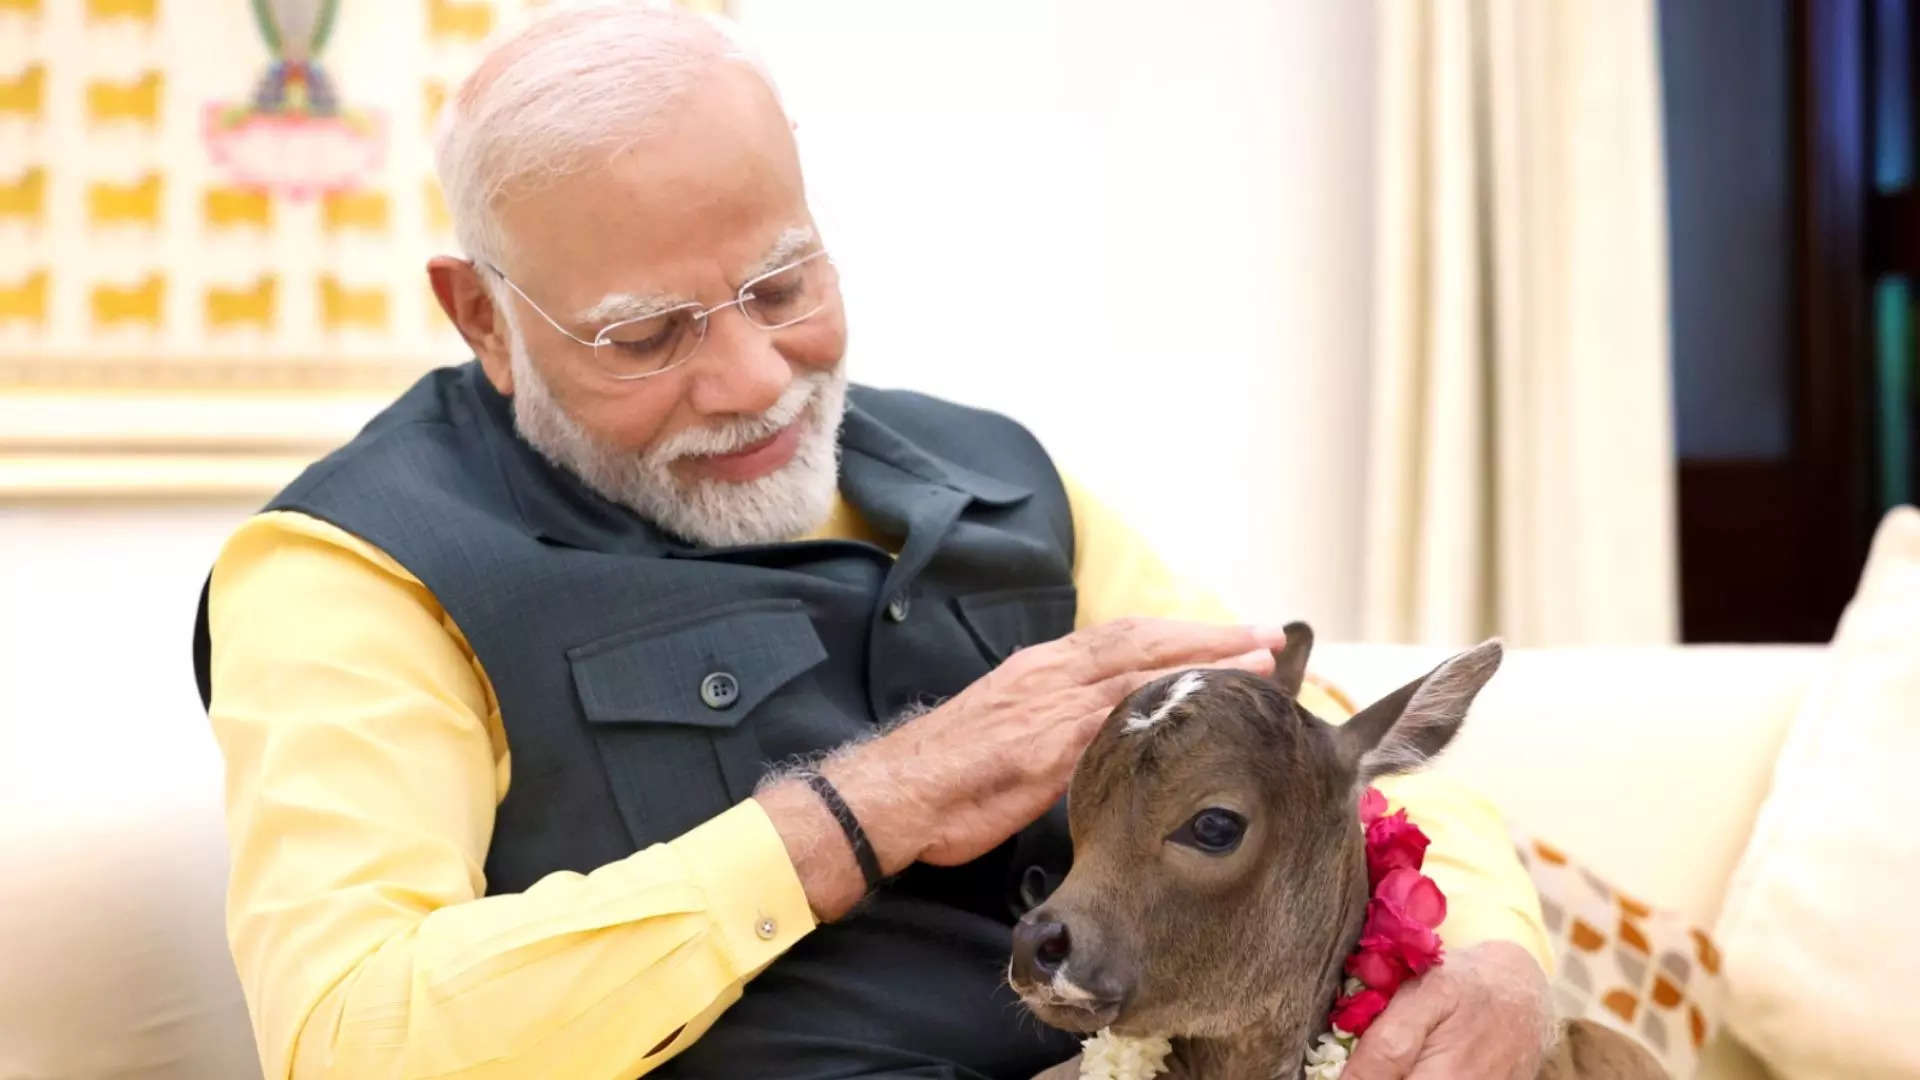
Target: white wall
{"type": "Point", "coordinates": [96, 620]}
{"type": "Point", "coordinates": [112, 855]}
{"type": "Point", "coordinates": [1142, 228]}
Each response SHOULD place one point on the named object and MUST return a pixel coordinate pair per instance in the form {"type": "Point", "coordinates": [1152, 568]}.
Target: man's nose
{"type": "Point", "coordinates": [1040, 950]}
{"type": "Point", "coordinates": [741, 372]}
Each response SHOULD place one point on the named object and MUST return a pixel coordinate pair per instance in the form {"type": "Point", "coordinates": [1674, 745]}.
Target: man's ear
{"type": "Point", "coordinates": [469, 306]}
{"type": "Point", "coordinates": [1290, 660]}
{"type": "Point", "coordinates": [1401, 731]}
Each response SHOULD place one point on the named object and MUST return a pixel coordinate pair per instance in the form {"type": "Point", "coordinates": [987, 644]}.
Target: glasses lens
{"type": "Point", "coordinates": [789, 294]}
{"type": "Point", "coordinates": [645, 346]}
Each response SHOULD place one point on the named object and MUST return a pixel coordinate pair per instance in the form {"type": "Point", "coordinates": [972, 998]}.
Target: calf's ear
{"type": "Point", "coordinates": [1401, 731]}
{"type": "Point", "coordinates": [1290, 660]}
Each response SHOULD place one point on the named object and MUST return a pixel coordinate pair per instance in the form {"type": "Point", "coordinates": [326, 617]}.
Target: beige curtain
{"type": "Point", "coordinates": [1521, 470]}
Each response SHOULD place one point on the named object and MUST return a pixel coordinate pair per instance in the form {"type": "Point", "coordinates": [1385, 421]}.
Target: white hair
{"type": "Point", "coordinates": [575, 83]}
{"type": "Point", "coordinates": [1182, 688]}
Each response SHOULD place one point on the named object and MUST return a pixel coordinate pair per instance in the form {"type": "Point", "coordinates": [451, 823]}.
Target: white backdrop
{"type": "Point", "coordinates": [1141, 228]}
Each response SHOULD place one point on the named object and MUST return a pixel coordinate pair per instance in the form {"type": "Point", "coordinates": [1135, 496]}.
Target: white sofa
{"type": "Point", "coordinates": [1646, 764]}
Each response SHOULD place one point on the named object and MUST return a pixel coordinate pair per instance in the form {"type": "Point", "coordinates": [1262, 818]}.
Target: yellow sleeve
{"type": "Point", "coordinates": [364, 762]}
{"type": "Point", "coordinates": [1489, 895]}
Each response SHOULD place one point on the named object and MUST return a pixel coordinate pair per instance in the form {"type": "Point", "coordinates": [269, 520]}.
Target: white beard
{"type": "Point", "coordinates": [783, 505]}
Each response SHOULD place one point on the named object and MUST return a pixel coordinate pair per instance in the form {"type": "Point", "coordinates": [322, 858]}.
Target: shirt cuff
{"type": "Point", "coordinates": [753, 892]}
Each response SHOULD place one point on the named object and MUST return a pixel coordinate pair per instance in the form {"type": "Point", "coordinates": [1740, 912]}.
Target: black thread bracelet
{"type": "Point", "coordinates": [856, 836]}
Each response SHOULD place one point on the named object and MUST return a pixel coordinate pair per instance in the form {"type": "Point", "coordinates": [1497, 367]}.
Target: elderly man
{"type": "Point", "coordinates": [512, 687]}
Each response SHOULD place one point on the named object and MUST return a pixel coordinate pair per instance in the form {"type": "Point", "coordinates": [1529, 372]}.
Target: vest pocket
{"type": "Point", "coordinates": [1006, 620]}
{"type": "Point", "coordinates": [666, 704]}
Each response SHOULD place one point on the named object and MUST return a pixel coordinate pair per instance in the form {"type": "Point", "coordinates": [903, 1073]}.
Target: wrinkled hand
{"type": "Point", "coordinates": [950, 785]}
{"type": "Point", "coordinates": [1484, 1013]}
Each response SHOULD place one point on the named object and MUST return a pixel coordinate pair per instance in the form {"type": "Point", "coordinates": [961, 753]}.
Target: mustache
{"type": "Point", "coordinates": [731, 436]}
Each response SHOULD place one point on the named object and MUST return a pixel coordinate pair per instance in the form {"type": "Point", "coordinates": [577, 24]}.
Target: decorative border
{"type": "Point", "coordinates": [118, 375]}
{"type": "Point", "coordinates": [184, 443]}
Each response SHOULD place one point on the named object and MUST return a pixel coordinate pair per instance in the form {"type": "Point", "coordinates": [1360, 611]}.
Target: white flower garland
{"type": "Point", "coordinates": [1107, 1056]}
{"type": "Point", "coordinates": [1327, 1058]}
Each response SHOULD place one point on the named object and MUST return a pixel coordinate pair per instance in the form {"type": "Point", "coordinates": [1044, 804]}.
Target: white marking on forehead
{"type": "Point", "coordinates": [1182, 688]}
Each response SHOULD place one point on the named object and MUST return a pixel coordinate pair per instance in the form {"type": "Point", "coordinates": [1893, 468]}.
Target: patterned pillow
{"type": "Point", "coordinates": [1640, 971]}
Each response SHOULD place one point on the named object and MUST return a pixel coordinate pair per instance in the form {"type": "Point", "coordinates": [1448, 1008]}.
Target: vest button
{"type": "Point", "coordinates": [897, 608]}
{"type": "Point", "coordinates": [719, 690]}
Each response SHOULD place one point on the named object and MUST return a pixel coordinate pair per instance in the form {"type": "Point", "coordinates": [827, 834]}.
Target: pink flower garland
{"type": "Point", "coordinates": [1405, 909]}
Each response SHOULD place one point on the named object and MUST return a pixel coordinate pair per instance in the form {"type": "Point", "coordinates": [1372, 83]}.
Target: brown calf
{"type": "Point", "coordinates": [1219, 876]}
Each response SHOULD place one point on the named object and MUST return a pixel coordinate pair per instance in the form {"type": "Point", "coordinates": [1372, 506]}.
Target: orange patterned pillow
{"type": "Point", "coordinates": [1644, 972]}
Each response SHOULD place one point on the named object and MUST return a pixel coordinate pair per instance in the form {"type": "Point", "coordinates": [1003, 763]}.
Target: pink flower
{"type": "Point", "coordinates": [1373, 806]}
{"type": "Point", "coordinates": [1355, 1013]}
{"type": "Point", "coordinates": [1394, 843]}
{"type": "Point", "coordinates": [1380, 969]}
{"type": "Point", "coordinates": [1401, 917]}
{"type": "Point", "coordinates": [1399, 940]}
{"type": "Point", "coordinates": [1414, 893]}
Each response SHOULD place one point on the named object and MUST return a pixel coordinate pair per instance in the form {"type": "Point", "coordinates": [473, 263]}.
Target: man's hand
{"type": "Point", "coordinates": [949, 786]}
{"type": "Point", "coordinates": [1485, 1013]}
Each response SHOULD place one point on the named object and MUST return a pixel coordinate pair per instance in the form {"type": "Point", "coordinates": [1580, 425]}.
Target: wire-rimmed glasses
{"type": "Point", "coordinates": [663, 340]}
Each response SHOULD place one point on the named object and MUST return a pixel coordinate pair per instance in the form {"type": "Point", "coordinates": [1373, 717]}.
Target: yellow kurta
{"type": "Point", "coordinates": [365, 756]}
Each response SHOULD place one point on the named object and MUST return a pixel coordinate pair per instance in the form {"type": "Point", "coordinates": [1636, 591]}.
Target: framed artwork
{"type": "Point", "coordinates": [214, 220]}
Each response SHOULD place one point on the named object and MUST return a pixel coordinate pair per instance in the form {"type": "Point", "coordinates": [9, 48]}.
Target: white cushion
{"type": "Point", "coordinates": [1820, 944]}
{"type": "Point", "coordinates": [1647, 764]}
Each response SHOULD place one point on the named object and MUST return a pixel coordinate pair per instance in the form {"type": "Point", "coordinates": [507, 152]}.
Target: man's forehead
{"type": "Point", "coordinates": [688, 205]}
{"type": "Point", "coordinates": [614, 306]}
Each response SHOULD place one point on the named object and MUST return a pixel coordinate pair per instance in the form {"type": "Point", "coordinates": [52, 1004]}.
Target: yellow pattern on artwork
{"type": "Point", "coordinates": [468, 19]}
{"type": "Point", "coordinates": [154, 188]}
{"type": "Point", "coordinates": [24, 94]}
{"type": "Point", "coordinates": [226, 207]}
{"type": "Point", "coordinates": [343, 306]}
{"type": "Point", "coordinates": [25, 197]}
{"type": "Point", "coordinates": [438, 217]}
{"type": "Point", "coordinates": [142, 303]}
{"type": "Point", "coordinates": [136, 203]}
{"type": "Point", "coordinates": [354, 210]}
{"type": "Point", "coordinates": [251, 305]}
{"type": "Point", "coordinates": [146, 11]}
{"type": "Point", "coordinates": [26, 300]}
{"type": "Point", "coordinates": [138, 100]}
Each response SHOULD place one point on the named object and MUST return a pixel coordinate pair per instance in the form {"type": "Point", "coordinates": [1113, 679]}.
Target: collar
{"type": "Point", "coordinates": [882, 472]}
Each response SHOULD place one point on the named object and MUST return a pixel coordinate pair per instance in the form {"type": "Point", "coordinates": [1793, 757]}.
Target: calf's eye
{"type": "Point", "coordinates": [1213, 830]}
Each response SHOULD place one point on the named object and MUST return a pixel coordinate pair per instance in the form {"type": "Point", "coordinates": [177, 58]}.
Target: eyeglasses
{"type": "Point", "coordinates": [657, 343]}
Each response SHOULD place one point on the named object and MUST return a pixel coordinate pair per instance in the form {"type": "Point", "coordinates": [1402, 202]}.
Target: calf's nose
{"type": "Point", "coordinates": [1040, 948]}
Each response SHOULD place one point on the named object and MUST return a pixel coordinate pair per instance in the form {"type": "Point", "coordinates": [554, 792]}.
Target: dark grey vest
{"type": "Point", "coordinates": [646, 685]}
